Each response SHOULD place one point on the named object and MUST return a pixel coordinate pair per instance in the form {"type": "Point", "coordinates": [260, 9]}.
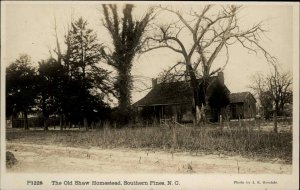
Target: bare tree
{"type": "Point", "coordinates": [212, 29]}
{"type": "Point", "coordinates": [273, 92]}
{"type": "Point", "coordinates": [259, 87]}
{"type": "Point", "coordinates": [279, 87]}
{"type": "Point", "coordinates": [60, 59]}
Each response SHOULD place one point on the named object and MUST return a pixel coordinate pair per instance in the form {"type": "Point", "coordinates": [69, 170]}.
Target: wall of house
{"type": "Point", "coordinates": [236, 110]}
{"type": "Point", "coordinates": [243, 110]}
{"type": "Point", "coordinates": [213, 115]}
{"type": "Point", "coordinates": [249, 108]}
{"type": "Point", "coordinates": [182, 113]}
{"type": "Point", "coordinates": [149, 114]}
{"type": "Point", "coordinates": [179, 113]}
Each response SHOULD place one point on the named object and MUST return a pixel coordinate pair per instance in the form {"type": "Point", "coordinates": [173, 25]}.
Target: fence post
{"type": "Point", "coordinates": [221, 122]}
{"type": "Point", "coordinates": [175, 143]}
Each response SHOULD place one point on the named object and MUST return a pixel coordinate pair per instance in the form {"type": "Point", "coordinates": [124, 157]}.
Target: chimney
{"type": "Point", "coordinates": [154, 82]}
{"type": "Point", "coordinates": [221, 77]}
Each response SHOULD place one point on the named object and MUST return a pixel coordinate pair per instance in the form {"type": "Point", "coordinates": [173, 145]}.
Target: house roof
{"type": "Point", "coordinates": [240, 97]}
{"type": "Point", "coordinates": [178, 92]}
{"type": "Point", "coordinates": [167, 93]}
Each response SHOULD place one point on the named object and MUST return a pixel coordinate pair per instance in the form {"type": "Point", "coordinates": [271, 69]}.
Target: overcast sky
{"type": "Point", "coordinates": [29, 28]}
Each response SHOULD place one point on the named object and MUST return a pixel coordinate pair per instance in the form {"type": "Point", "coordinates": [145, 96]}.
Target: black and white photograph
{"type": "Point", "coordinates": [149, 95]}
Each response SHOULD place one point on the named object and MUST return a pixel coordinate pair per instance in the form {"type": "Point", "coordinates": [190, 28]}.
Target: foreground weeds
{"type": "Point", "coordinates": [208, 140]}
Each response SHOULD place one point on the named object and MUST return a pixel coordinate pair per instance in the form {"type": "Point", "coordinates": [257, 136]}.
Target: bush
{"type": "Point", "coordinates": [10, 159]}
{"type": "Point", "coordinates": [122, 117]}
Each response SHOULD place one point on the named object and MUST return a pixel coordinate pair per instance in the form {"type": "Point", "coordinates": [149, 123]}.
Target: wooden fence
{"type": "Point", "coordinates": [34, 122]}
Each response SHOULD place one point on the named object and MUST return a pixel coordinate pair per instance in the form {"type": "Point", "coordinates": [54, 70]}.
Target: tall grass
{"type": "Point", "coordinates": [231, 140]}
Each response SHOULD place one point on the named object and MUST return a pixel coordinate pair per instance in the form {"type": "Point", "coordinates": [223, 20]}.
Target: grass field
{"type": "Point", "coordinates": [244, 141]}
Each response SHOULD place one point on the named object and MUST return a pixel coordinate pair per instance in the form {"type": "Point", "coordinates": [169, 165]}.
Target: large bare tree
{"type": "Point", "coordinates": [279, 86]}
{"type": "Point", "coordinates": [212, 29]}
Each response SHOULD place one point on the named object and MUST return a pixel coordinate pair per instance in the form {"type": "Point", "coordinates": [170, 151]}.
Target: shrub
{"type": "Point", "coordinates": [10, 159]}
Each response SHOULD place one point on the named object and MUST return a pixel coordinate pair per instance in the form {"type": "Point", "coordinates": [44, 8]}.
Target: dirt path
{"type": "Point", "coordinates": [46, 158]}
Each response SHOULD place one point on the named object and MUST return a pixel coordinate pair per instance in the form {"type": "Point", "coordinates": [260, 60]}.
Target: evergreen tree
{"type": "Point", "coordinates": [86, 79]}
{"type": "Point", "coordinates": [51, 76]}
{"type": "Point", "coordinates": [20, 88]}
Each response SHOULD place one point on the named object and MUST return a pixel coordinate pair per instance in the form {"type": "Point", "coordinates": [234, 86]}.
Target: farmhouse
{"type": "Point", "coordinates": [242, 105]}
{"type": "Point", "coordinates": [174, 101]}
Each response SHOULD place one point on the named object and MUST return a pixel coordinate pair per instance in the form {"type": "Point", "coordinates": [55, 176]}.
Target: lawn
{"type": "Point", "coordinates": [244, 141]}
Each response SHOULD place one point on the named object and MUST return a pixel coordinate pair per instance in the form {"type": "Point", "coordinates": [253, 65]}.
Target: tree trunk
{"type": "Point", "coordinates": [275, 121]}
{"type": "Point", "coordinates": [64, 124]}
{"type": "Point", "coordinates": [85, 124]}
{"type": "Point", "coordinates": [93, 125]}
{"type": "Point", "coordinates": [61, 121]}
{"type": "Point", "coordinates": [282, 109]}
{"type": "Point", "coordinates": [26, 127]}
{"type": "Point", "coordinates": [198, 114]}
{"type": "Point", "coordinates": [45, 119]}
{"type": "Point", "coordinates": [124, 86]}
{"type": "Point", "coordinates": [12, 121]}
{"type": "Point", "coordinates": [275, 114]}
{"type": "Point", "coordinates": [44, 111]}
{"type": "Point", "coordinates": [221, 121]}
{"type": "Point", "coordinates": [197, 101]}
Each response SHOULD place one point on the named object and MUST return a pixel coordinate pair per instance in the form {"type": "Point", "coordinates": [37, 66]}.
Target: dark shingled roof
{"type": "Point", "coordinates": [169, 93]}
{"type": "Point", "coordinates": [166, 94]}
{"type": "Point", "coordinates": [239, 97]}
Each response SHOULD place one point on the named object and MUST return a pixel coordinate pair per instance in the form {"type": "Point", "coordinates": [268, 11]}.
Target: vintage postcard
{"type": "Point", "coordinates": [149, 95]}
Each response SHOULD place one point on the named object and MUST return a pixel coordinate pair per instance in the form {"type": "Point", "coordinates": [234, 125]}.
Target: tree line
{"type": "Point", "coordinates": [74, 86]}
